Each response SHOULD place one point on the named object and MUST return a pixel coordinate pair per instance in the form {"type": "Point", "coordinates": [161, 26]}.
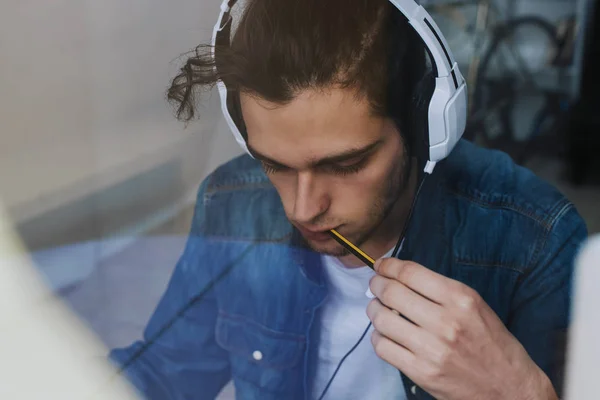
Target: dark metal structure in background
{"type": "Point", "coordinates": [584, 125]}
{"type": "Point", "coordinates": [530, 74]}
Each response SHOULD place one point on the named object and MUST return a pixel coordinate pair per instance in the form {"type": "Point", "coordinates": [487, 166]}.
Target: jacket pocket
{"type": "Point", "coordinates": [269, 359]}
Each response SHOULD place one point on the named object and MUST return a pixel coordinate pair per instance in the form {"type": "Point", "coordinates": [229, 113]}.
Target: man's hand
{"type": "Point", "coordinates": [450, 342]}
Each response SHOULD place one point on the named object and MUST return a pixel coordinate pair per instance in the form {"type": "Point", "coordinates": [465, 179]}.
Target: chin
{"type": "Point", "coordinates": [335, 251]}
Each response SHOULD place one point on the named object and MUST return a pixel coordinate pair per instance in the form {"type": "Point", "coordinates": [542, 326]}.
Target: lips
{"type": "Point", "coordinates": [318, 235]}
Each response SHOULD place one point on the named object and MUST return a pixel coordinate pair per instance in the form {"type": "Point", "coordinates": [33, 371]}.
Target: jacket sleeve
{"type": "Point", "coordinates": [183, 361]}
{"type": "Point", "coordinates": [541, 304]}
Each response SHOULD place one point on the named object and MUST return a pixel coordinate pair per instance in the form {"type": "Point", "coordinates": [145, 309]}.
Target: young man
{"type": "Point", "coordinates": [476, 304]}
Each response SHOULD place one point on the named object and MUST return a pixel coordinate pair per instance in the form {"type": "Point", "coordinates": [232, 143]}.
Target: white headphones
{"type": "Point", "coordinates": [447, 112]}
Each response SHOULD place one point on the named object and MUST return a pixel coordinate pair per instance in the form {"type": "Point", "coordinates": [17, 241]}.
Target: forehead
{"type": "Point", "coordinates": [313, 125]}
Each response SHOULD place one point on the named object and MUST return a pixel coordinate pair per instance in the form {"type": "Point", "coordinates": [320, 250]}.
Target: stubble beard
{"type": "Point", "coordinates": [382, 207]}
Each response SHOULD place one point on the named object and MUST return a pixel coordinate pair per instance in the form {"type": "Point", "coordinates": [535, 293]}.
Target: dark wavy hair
{"type": "Point", "coordinates": [282, 47]}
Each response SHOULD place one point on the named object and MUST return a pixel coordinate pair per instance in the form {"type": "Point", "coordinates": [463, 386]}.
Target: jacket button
{"type": "Point", "coordinates": [413, 389]}
{"type": "Point", "coordinates": [257, 355]}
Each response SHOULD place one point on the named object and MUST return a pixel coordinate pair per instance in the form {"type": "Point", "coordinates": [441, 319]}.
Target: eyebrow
{"type": "Point", "coordinates": [332, 159]}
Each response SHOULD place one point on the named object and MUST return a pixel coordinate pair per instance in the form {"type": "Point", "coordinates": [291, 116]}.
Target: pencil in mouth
{"type": "Point", "coordinates": [348, 245]}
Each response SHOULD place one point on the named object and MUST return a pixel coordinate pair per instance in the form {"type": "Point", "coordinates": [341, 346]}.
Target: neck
{"type": "Point", "coordinates": [386, 236]}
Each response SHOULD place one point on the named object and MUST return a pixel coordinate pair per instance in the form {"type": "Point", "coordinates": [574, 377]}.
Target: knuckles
{"type": "Point", "coordinates": [378, 318]}
{"type": "Point", "coordinates": [378, 344]}
{"type": "Point", "coordinates": [380, 321]}
{"type": "Point", "coordinates": [438, 364]}
{"type": "Point", "coordinates": [467, 300]}
{"type": "Point", "coordinates": [452, 332]}
{"type": "Point", "coordinates": [431, 372]}
{"type": "Point", "coordinates": [397, 269]}
{"type": "Point", "coordinates": [405, 270]}
{"type": "Point", "coordinates": [387, 293]}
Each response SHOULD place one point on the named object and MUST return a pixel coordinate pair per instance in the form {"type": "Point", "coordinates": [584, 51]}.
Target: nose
{"type": "Point", "coordinates": [311, 200]}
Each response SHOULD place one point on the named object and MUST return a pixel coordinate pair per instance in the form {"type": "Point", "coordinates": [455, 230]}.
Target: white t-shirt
{"type": "Point", "coordinates": [363, 375]}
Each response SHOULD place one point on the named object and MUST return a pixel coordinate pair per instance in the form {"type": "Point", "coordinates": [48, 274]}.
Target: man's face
{"type": "Point", "coordinates": [334, 164]}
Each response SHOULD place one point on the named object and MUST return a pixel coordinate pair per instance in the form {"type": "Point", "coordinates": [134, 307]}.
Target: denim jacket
{"type": "Point", "coordinates": [245, 295]}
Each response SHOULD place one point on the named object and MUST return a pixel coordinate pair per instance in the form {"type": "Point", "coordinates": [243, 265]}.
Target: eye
{"type": "Point", "coordinates": [272, 168]}
{"type": "Point", "coordinates": [336, 169]}
{"type": "Point", "coordinates": [347, 169]}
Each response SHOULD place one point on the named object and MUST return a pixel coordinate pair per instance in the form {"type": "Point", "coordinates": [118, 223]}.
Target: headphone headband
{"type": "Point", "coordinates": [447, 112]}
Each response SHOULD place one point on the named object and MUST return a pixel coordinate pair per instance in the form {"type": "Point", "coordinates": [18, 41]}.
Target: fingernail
{"type": "Point", "coordinates": [369, 294]}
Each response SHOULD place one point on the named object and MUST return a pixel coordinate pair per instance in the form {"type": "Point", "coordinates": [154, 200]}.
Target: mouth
{"type": "Point", "coordinates": [333, 234]}
{"type": "Point", "coordinates": [316, 235]}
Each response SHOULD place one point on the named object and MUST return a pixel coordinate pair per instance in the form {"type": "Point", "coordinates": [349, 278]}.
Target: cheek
{"type": "Point", "coordinates": [285, 186]}
{"type": "Point", "coordinates": [352, 197]}
{"type": "Point", "coordinates": [286, 189]}
{"type": "Point", "coordinates": [366, 185]}
{"type": "Point", "coordinates": [358, 196]}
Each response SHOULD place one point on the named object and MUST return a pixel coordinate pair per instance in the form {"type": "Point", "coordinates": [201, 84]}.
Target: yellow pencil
{"type": "Point", "coordinates": [364, 257]}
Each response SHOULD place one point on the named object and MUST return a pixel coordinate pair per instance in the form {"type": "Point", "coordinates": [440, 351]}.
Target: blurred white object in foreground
{"type": "Point", "coordinates": [584, 342]}
{"type": "Point", "coordinates": [45, 351]}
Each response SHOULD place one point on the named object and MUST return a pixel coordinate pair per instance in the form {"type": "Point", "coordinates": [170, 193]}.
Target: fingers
{"type": "Point", "coordinates": [398, 329]}
{"type": "Point", "coordinates": [391, 352]}
{"type": "Point", "coordinates": [418, 309]}
{"type": "Point", "coordinates": [418, 278]}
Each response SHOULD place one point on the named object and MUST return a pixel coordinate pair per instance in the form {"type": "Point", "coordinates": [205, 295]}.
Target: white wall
{"type": "Point", "coordinates": [89, 148]}
{"type": "Point", "coordinates": [584, 347]}
{"type": "Point", "coordinates": [82, 105]}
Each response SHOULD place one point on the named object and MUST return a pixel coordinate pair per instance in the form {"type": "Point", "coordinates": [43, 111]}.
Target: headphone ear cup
{"type": "Point", "coordinates": [420, 121]}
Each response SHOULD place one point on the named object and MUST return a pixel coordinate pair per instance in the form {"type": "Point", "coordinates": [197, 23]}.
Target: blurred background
{"type": "Point", "coordinates": [91, 157]}
{"type": "Point", "coordinates": [99, 179]}
{"type": "Point", "coordinates": [530, 67]}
